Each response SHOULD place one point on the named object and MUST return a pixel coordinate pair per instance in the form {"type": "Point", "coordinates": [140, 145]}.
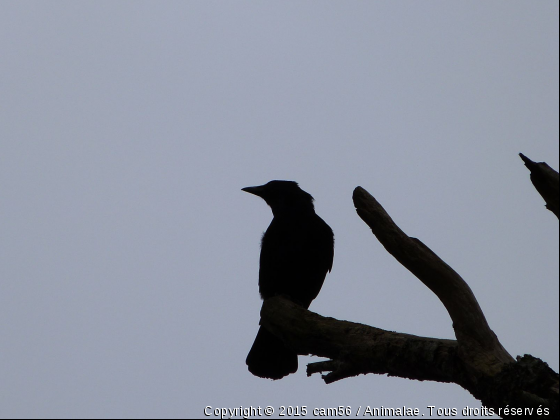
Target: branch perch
{"type": "Point", "coordinates": [359, 349]}
{"type": "Point", "coordinates": [356, 349]}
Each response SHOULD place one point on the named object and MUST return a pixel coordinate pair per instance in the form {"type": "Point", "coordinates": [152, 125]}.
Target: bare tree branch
{"type": "Point", "coordinates": [359, 349]}
{"type": "Point", "coordinates": [477, 342]}
{"type": "Point", "coordinates": [547, 182]}
{"type": "Point", "coordinates": [356, 349]}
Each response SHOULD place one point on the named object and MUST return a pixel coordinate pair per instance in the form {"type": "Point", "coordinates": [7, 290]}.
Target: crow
{"type": "Point", "coordinates": [297, 251]}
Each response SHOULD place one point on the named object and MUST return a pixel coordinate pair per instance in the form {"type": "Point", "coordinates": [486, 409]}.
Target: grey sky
{"type": "Point", "coordinates": [129, 254]}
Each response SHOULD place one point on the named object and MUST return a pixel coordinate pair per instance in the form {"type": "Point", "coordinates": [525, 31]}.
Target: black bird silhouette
{"type": "Point", "coordinates": [297, 251]}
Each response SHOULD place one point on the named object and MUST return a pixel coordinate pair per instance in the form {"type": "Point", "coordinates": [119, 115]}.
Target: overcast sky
{"type": "Point", "coordinates": [129, 254]}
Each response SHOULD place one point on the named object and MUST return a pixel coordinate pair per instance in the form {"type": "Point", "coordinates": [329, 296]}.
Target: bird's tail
{"type": "Point", "coordinates": [269, 358]}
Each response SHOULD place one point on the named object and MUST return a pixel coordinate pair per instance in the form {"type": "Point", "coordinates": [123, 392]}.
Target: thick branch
{"type": "Point", "coordinates": [359, 349]}
{"type": "Point", "coordinates": [356, 349]}
{"type": "Point", "coordinates": [546, 180]}
{"type": "Point", "coordinates": [476, 340]}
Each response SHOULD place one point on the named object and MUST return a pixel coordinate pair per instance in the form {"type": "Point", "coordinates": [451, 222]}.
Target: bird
{"type": "Point", "coordinates": [297, 251]}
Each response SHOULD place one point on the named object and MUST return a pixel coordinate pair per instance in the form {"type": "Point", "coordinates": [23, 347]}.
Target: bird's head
{"type": "Point", "coordinates": [283, 197]}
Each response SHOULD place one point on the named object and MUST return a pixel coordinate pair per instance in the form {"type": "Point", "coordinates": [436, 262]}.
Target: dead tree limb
{"type": "Point", "coordinates": [358, 349]}
{"type": "Point", "coordinates": [477, 342]}
{"type": "Point", "coordinates": [547, 181]}
{"type": "Point", "coordinates": [355, 349]}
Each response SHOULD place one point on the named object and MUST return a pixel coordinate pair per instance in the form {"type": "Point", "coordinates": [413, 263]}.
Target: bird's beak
{"type": "Point", "coordinates": [254, 190]}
